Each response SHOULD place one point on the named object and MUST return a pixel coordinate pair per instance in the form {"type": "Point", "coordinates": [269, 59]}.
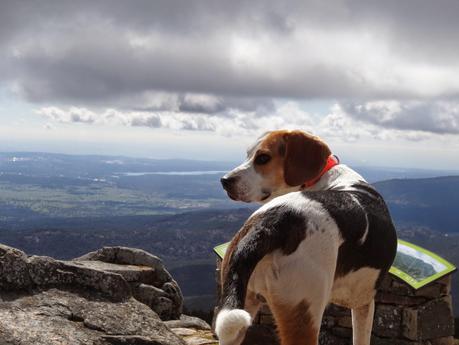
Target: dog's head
{"type": "Point", "coordinates": [278, 163]}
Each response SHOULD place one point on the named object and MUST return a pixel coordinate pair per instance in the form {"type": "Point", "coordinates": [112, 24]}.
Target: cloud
{"type": "Point", "coordinates": [237, 123]}
{"type": "Point", "coordinates": [107, 52]}
{"type": "Point", "coordinates": [427, 116]}
{"type": "Point", "coordinates": [345, 123]}
{"type": "Point", "coordinates": [238, 67]}
{"type": "Point", "coordinates": [73, 114]}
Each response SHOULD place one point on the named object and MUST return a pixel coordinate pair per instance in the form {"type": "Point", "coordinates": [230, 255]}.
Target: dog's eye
{"type": "Point", "coordinates": [262, 159]}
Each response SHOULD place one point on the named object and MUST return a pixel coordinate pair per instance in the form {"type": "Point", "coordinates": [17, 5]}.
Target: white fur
{"type": "Point", "coordinates": [355, 288]}
{"type": "Point", "coordinates": [339, 176]}
{"type": "Point", "coordinates": [362, 322]}
{"type": "Point", "coordinates": [230, 325]}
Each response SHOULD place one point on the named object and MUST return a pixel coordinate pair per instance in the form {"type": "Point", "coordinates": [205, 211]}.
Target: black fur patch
{"type": "Point", "coordinates": [277, 228]}
{"type": "Point", "coordinates": [353, 211]}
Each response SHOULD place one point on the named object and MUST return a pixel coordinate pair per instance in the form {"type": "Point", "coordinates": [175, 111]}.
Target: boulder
{"type": "Point", "coordinates": [115, 295]}
{"type": "Point", "coordinates": [56, 317]}
{"type": "Point", "coordinates": [150, 282]}
{"type": "Point", "coordinates": [14, 271]}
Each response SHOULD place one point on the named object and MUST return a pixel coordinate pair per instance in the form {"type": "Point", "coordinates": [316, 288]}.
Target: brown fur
{"type": "Point", "coordinates": [294, 324]}
{"type": "Point", "coordinates": [305, 157]}
{"type": "Point", "coordinates": [296, 157]}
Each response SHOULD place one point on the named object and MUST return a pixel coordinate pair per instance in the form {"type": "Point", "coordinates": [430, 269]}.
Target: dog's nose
{"type": "Point", "coordinates": [227, 181]}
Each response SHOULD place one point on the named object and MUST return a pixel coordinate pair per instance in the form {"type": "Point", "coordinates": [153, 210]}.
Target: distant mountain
{"type": "Point", "coordinates": [95, 166]}
{"type": "Point", "coordinates": [42, 185]}
{"type": "Point", "coordinates": [429, 202]}
{"type": "Point", "coordinates": [375, 174]}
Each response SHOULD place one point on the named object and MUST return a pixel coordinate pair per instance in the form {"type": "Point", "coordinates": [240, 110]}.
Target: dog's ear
{"type": "Point", "coordinates": [305, 157]}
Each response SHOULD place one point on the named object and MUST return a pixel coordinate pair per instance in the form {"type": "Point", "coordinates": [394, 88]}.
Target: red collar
{"type": "Point", "coordinates": [331, 162]}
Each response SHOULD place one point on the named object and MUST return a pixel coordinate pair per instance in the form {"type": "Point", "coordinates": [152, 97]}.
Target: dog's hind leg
{"type": "Point", "coordinates": [296, 324]}
{"type": "Point", "coordinates": [362, 323]}
{"type": "Point", "coordinates": [252, 303]}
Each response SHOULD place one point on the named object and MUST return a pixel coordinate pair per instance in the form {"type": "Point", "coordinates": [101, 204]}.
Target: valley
{"type": "Point", "coordinates": [64, 206]}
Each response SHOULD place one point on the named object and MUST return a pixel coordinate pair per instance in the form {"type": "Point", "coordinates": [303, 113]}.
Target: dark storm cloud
{"type": "Point", "coordinates": [238, 53]}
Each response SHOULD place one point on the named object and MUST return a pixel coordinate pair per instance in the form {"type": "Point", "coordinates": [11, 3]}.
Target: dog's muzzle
{"type": "Point", "coordinates": [229, 184]}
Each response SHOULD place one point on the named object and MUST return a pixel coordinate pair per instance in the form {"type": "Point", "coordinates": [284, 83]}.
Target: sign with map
{"type": "Point", "coordinates": [414, 265]}
{"type": "Point", "coordinates": [418, 266]}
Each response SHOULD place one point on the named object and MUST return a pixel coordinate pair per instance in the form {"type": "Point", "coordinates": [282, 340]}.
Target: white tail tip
{"type": "Point", "coordinates": [230, 323]}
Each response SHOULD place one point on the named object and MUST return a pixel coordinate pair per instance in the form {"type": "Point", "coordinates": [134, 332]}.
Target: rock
{"type": "Point", "coordinates": [46, 272]}
{"type": "Point", "coordinates": [89, 301]}
{"type": "Point", "coordinates": [410, 327]}
{"type": "Point", "coordinates": [55, 317]}
{"type": "Point", "coordinates": [430, 321]}
{"type": "Point", "coordinates": [441, 341]}
{"type": "Point", "coordinates": [196, 337]}
{"type": "Point", "coordinates": [326, 338]}
{"type": "Point", "coordinates": [398, 299]}
{"type": "Point", "coordinates": [387, 321]}
{"type": "Point", "coordinates": [131, 273]}
{"type": "Point", "coordinates": [336, 310]}
{"type": "Point", "coordinates": [435, 319]}
{"type": "Point", "coordinates": [183, 331]}
{"type": "Point", "coordinates": [429, 291]}
{"type": "Point", "coordinates": [130, 256]}
{"type": "Point", "coordinates": [14, 271]}
{"type": "Point", "coordinates": [388, 341]}
{"type": "Point", "coordinates": [342, 332]}
{"type": "Point", "coordinates": [152, 285]}
{"type": "Point", "coordinates": [186, 321]}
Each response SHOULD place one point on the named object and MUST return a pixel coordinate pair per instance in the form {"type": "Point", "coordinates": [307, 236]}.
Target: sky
{"type": "Point", "coordinates": [202, 79]}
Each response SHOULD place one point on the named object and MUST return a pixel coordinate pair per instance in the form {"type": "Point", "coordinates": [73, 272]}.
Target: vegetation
{"type": "Point", "coordinates": [64, 206]}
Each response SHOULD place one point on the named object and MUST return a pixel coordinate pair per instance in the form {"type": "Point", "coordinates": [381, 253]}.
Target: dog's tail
{"type": "Point", "coordinates": [232, 320]}
{"type": "Point", "coordinates": [231, 325]}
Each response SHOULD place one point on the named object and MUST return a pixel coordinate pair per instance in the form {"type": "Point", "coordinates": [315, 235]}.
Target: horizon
{"type": "Point", "coordinates": [382, 167]}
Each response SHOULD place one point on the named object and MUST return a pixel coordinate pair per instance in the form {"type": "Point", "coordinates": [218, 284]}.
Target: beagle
{"type": "Point", "coordinates": [323, 235]}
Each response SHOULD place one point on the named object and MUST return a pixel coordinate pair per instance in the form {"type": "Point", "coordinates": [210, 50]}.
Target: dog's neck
{"type": "Point", "coordinates": [332, 161]}
{"type": "Point", "coordinates": [340, 177]}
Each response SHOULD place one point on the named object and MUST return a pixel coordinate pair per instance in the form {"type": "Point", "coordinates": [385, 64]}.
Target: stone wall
{"type": "Point", "coordinates": [403, 316]}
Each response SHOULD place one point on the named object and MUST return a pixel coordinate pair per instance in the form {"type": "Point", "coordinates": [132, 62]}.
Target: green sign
{"type": "Point", "coordinates": [414, 265]}
{"type": "Point", "coordinates": [418, 266]}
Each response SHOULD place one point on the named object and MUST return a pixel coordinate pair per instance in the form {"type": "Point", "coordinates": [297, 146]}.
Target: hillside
{"type": "Point", "coordinates": [184, 241]}
{"type": "Point", "coordinates": [430, 202]}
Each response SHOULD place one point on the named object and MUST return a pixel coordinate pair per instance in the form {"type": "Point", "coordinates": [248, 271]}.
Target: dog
{"type": "Point", "coordinates": [322, 235]}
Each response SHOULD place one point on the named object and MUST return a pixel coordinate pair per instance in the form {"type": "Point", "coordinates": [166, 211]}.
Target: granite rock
{"type": "Point", "coordinates": [55, 317]}
{"type": "Point", "coordinates": [116, 295]}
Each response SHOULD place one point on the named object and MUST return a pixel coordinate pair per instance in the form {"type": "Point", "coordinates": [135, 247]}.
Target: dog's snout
{"type": "Point", "coordinates": [227, 182]}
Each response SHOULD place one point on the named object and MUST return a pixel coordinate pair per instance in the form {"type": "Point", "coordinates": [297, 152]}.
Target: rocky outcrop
{"type": "Point", "coordinates": [54, 316]}
{"type": "Point", "coordinates": [115, 295]}
{"type": "Point", "coordinates": [149, 281]}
